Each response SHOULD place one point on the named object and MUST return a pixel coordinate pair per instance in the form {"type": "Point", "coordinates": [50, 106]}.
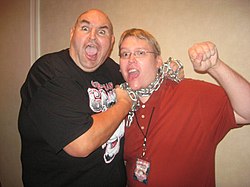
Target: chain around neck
{"type": "Point", "coordinates": [162, 73]}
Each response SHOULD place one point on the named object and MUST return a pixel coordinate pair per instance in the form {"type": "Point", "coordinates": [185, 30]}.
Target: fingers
{"type": "Point", "coordinates": [173, 69]}
{"type": "Point", "coordinates": [121, 92]}
{"type": "Point", "coordinates": [202, 51]}
{"type": "Point", "coordinates": [203, 56]}
{"type": "Point", "coordinates": [181, 74]}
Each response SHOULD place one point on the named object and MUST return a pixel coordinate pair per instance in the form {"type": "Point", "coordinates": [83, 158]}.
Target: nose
{"type": "Point", "coordinates": [92, 34]}
{"type": "Point", "coordinates": [131, 58]}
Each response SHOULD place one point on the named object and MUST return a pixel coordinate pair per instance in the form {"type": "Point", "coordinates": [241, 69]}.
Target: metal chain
{"type": "Point", "coordinates": [164, 72]}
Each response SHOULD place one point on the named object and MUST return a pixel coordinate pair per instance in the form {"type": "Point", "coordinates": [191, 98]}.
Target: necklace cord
{"type": "Point", "coordinates": [144, 135]}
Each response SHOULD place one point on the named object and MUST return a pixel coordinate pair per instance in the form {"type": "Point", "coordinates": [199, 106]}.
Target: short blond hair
{"type": "Point", "coordinates": [143, 35]}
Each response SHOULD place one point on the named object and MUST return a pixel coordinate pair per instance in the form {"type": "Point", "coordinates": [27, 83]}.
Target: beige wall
{"type": "Point", "coordinates": [14, 61]}
{"type": "Point", "coordinates": [176, 24]}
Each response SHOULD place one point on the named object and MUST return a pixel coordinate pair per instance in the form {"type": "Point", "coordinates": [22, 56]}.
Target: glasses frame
{"type": "Point", "coordinates": [141, 53]}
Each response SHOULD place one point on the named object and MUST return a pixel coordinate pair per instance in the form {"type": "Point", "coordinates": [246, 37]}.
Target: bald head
{"type": "Point", "coordinates": [91, 40]}
{"type": "Point", "coordinates": [96, 13]}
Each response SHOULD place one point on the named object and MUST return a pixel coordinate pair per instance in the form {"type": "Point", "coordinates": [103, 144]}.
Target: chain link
{"type": "Point", "coordinates": [165, 71]}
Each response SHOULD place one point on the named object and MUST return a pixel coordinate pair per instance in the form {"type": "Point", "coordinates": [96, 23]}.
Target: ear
{"type": "Point", "coordinates": [113, 40]}
{"type": "Point", "coordinates": [72, 30]}
{"type": "Point", "coordinates": [159, 61]}
{"type": "Point", "coordinates": [112, 44]}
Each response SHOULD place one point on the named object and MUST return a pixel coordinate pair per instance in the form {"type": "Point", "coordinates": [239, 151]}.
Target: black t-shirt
{"type": "Point", "coordinates": [58, 99]}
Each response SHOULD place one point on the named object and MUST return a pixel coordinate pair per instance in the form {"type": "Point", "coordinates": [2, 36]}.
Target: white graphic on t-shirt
{"type": "Point", "coordinates": [113, 144]}
{"type": "Point", "coordinates": [102, 97]}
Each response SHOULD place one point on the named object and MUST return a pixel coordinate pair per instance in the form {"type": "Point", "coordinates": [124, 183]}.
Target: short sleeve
{"type": "Point", "coordinates": [216, 111]}
{"type": "Point", "coordinates": [60, 111]}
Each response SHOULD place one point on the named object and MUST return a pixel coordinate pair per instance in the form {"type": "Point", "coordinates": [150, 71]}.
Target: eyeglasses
{"type": "Point", "coordinates": [137, 54]}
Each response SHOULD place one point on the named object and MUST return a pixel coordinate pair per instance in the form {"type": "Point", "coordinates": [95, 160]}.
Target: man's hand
{"type": "Point", "coordinates": [122, 96]}
{"type": "Point", "coordinates": [203, 56]}
{"type": "Point", "coordinates": [175, 70]}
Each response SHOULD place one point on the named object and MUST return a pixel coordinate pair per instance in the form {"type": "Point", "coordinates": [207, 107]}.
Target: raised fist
{"type": "Point", "coordinates": [203, 56]}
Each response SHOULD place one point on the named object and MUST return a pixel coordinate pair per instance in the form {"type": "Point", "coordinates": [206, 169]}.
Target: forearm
{"type": "Point", "coordinates": [104, 125]}
{"type": "Point", "coordinates": [237, 89]}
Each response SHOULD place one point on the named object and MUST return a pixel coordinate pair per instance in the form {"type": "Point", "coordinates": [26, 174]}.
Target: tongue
{"type": "Point", "coordinates": [91, 51]}
{"type": "Point", "coordinates": [133, 75]}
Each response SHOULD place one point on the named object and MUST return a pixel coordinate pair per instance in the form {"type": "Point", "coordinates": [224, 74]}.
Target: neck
{"type": "Point", "coordinates": [144, 99]}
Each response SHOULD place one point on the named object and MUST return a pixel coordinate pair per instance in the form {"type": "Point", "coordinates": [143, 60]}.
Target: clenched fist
{"type": "Point", "coordinates": [203, 56]}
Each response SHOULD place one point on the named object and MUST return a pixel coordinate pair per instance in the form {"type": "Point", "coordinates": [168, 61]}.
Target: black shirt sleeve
{"type": "Point", "coordinates": [58, 112]}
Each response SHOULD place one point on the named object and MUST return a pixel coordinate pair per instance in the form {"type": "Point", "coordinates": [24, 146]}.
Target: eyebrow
{"type": "Point", "coordinates": [87, 22]}
{"type": "Point", "coordinates": [84, 21]}
{"type": "Point", "coordinates": [136, 49]}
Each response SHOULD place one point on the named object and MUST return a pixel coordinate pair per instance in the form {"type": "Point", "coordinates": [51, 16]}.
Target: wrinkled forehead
{"type": "Point", "coordinates": [95, 19]}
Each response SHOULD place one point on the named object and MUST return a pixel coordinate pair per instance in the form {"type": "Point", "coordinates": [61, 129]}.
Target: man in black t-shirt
{"type": "Point", "coordinates": [71, 116]}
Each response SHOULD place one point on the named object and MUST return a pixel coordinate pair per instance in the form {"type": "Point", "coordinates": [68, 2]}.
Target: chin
{"type": "Point", "coordinates": [134, 87]}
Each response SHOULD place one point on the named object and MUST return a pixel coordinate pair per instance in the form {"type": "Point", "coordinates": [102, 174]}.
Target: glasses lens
{"type": "Point", "coordinates": [139, 54]}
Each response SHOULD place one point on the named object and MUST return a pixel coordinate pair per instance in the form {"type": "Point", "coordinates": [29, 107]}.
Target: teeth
{"type": "Point", "coordinates": [132, 70]}
{"type": "Point", "coordinates": [91, 45]}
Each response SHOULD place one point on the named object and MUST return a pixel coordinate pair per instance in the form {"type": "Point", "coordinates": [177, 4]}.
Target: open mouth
{"type": "Point", "coordinates": [113, 144]}
{"type": "Point", "coordinates": [133, 73]}
{"type": "Point", "coordinates": [91, 52]}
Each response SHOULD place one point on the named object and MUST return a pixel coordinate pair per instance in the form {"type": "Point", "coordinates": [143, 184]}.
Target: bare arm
{"type": "Point", "coordinates": [104, 125]}
{"type": "Point", "coordinates": [204, 57]}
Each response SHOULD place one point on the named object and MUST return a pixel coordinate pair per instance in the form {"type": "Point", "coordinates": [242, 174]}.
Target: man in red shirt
{"type": "Point", "coordinates": [173, 136]}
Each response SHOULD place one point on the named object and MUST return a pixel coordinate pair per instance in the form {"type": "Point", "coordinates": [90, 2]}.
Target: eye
{"type": "Point", "coordinates": [102, 32]}
{"type": "Point", "coordinates": [140, 53]}
{"type": "Point", "coordinates": [85, 28]}
{"type": "Point", "coordinates": [125, 54]}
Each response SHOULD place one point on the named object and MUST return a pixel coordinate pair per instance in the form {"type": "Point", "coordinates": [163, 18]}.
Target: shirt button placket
{"type": "Point", "coordinates": [143, 117]}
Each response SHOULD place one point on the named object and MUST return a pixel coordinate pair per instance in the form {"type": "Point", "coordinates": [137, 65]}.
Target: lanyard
{"type": "Point", "coordinates": [144, 145]}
